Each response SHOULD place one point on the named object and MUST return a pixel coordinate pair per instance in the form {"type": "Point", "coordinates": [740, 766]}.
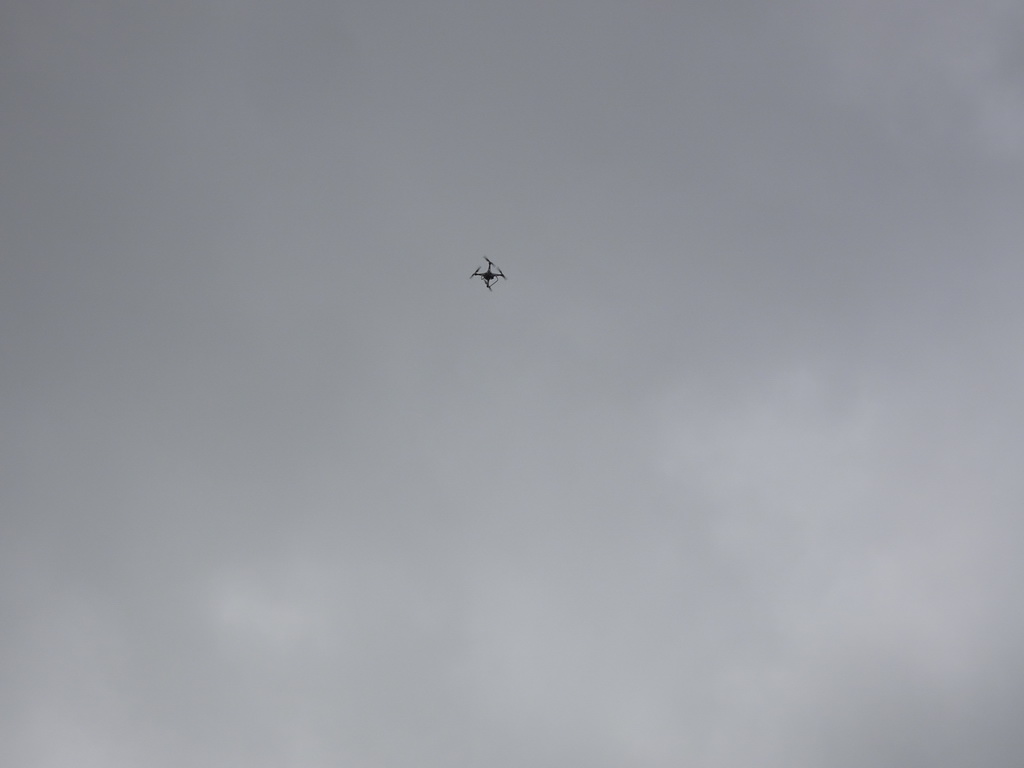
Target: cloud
{"type": "Point", "coordinates": [871, 531]}
{"type": "Point", "coordinates": [931, 72]}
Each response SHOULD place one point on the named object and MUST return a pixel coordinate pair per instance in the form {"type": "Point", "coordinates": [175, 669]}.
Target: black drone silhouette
{"type": "Point", "coordinates": [490, 277]}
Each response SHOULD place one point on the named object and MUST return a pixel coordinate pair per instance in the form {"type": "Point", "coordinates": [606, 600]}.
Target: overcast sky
{"type": "Point", "coordinates": [728, 472]}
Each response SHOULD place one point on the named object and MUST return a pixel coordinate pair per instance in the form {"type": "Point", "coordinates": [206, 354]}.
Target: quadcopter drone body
{"type": "Point", "coordinates": [491, 275]}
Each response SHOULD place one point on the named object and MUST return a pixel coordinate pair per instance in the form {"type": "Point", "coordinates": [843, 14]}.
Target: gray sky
{"type": "Point", "coordinates": [726, 474]}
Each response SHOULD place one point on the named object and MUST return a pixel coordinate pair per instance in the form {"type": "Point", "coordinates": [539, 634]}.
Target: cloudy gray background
{"type": "Point", "coordinates": [726, 474]}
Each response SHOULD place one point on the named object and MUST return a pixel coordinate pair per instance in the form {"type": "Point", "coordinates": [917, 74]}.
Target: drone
{"type": "Point", "coordinates": [490, 277]}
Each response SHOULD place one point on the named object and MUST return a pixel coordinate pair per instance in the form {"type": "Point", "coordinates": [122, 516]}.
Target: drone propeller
{"type": "Point", "coordinates": [491, 275]}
